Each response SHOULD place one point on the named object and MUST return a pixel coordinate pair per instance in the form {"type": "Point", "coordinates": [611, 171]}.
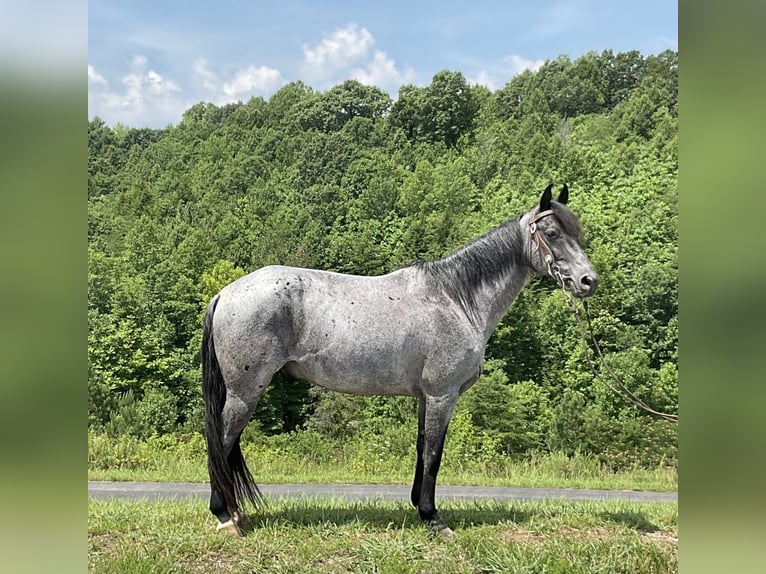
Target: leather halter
{"type": "Point", "coordinates": [545, 251]}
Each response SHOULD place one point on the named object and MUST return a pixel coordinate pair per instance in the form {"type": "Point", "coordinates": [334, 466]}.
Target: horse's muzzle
{"type": "Point", "coordinates": [585, 286]}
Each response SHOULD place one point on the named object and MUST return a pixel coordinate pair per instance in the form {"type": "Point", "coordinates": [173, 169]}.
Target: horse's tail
{"type": "Point", "coordinates": [228, 475]}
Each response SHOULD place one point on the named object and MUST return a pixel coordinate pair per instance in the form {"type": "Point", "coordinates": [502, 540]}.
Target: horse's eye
{"type": "Point", "coordinates": [552, 233]}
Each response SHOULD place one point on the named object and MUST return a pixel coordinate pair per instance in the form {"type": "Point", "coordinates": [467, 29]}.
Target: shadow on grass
{"type": "Point", "coordinates": [311, 514]}
{"type": "Point", "coordinates": [379, 517]}
{"type": "Point", "coordinates": [635, 520]}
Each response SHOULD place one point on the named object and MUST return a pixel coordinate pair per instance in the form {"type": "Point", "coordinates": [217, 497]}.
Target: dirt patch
{"type": "Point", "coordinates": [524, 536]}
{"type": "Point", "coordinates": [101, 543]}
{"type": "Point", "coordinates": [664, 538]}
{"type": "Point", "coordinates": [520, 535]}
{"type": "Point", "coordinates": [210, 562]}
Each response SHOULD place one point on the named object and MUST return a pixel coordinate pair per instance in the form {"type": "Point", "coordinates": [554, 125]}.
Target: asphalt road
{"type": "Point", "coordinates": [185, 490]}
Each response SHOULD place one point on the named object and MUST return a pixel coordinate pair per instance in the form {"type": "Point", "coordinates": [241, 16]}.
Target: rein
{"type": "Point", "coordinates": [620, 389]}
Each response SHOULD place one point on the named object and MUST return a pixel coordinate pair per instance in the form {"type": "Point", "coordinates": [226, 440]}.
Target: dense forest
{"type": "Point", "coordinates": [351, 180]}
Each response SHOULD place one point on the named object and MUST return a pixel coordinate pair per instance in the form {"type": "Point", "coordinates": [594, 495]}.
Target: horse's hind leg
{"type": "Point", "coordinates": [237, 411]}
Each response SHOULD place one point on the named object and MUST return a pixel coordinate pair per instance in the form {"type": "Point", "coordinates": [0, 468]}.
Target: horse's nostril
{"type": "Point", "coordinates": [589, 281]}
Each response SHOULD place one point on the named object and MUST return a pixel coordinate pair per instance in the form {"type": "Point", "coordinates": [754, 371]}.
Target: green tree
{"type": "Point", "coordinates": [330, 111]}
{"type": "Point", "coordinates": [443, 111]}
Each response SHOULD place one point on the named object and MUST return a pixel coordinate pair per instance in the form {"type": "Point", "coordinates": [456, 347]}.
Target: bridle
{"type": "Point", "coordinates": [543, 247]}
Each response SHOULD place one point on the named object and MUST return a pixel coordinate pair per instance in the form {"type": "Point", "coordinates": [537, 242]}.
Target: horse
{"type": "Point", "coordinates": [418, 331]}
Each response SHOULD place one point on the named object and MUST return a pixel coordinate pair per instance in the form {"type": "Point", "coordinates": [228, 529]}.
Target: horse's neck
{"type": "Point", "coordinates": [496, 297]}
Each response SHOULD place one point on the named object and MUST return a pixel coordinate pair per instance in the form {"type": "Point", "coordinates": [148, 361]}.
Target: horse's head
{"type": "Point", "coordinates": [555, 244]}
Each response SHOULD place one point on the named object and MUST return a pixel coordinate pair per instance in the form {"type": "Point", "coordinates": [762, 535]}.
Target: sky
{"type": "Point", "coordinates": [150, 60]}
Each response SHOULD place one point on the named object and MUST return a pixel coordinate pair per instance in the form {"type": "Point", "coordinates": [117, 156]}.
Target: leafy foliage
{"type": "Point", "coordinates": [348, 180]}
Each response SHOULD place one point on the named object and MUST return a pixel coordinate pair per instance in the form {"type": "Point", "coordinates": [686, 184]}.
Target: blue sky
{"type": "Point", "coordinates": [149, 60]}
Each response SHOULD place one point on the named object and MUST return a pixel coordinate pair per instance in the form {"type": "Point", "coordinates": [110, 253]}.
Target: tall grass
{"type": "Point", "coordinates": [388, 457]}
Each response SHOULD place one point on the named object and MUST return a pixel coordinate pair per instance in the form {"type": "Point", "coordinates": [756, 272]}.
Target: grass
{"type": "Point", "coordinates": [171, 459]}
{"type": "Point", "coordinates": [314, 535]}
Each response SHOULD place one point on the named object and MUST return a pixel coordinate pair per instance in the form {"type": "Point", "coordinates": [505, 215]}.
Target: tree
{"type": "Point", "coordinates": [441, 112]}
{"type": "Point", "coordinates": [332, 110]}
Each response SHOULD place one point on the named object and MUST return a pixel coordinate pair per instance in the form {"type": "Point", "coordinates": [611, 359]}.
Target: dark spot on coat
{"type": "Point", "coordinates": [247, 367]}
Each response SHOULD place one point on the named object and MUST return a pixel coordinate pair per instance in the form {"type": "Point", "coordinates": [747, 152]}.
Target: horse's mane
{"type": "Point", "coordinates": [484, 260]}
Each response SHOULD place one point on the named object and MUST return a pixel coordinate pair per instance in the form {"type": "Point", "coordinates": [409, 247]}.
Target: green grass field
{"type": "Point", "coordinates": [334, 535]}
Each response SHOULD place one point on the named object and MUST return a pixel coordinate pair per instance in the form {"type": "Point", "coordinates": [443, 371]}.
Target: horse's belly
{"type": "Point", "coordinates": [357, 374]}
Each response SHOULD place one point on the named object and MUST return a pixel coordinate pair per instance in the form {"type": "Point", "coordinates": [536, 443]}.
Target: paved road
{"type": "Point", "coordinates": [184, 490]}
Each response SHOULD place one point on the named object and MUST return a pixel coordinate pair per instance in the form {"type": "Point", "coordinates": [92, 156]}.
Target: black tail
{"type": "Point", "coordinates": [228, 475]}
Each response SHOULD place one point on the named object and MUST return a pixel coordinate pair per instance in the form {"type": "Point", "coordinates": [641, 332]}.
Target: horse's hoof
{"type": "Point", "coordinates": [447, 533]}
{"type": "Point", "coordinates": [242, 519]}
{"type": "Point", "coordinates": [229, 527]}
{"type": "Point", "coordinates": [439, 526]}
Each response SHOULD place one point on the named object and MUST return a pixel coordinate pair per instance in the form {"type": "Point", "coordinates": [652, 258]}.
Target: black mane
{"type": "Point", "coordinates": [477, 263]}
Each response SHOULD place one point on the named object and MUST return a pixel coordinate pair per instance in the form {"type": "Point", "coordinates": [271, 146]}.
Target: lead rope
{"type": "Point", "coordinates": [622, 389]}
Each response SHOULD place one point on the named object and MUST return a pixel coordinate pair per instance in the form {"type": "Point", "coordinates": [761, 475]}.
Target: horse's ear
{"type": "Point", "coordinates": [563, 194]}
{"type": "Point", "coordinates": [545, 200]}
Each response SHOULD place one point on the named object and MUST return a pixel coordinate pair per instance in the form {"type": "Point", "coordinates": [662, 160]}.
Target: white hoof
{"type": "Point", "coordinates": [447, 533]}
{"type": "Point", "coordinates": [229, 527]}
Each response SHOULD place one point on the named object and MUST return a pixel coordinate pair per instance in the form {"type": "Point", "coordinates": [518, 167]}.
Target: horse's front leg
{"type": "Point", "coordinates": [438, 411]}
{"type": "Point", "coordinates": [417, 483]}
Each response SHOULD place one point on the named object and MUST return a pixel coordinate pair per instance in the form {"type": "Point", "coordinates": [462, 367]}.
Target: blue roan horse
{"type": "Point", "coordinates": [420, 331]}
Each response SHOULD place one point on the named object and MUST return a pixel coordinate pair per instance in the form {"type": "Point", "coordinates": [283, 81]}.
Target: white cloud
{"type": "Point", "coordinates": [337, 51]}
{"type": "Point", "coordinates": [518, 64]}
{"type": "Point", "coordinates": [204, 77]}
{"type": "Point", "coordinates": [95, 79]}
{"type": "Point", "coordinates": [145, 97]}
{"type": "Point", "coordinates": [253, 80]}
{"type": "Point", "coordinates": [483, 78]}
{"type": "Point", "coordinates": [501, 73]}
{"type": "Point", "coordinates": [143, 87]}
{"type": "Point", "coordinates": [260, 80]}
{"type": "Point", "coordinates": [348, 53]}
{"type": "Point", "coordinates": [138, 61]}
{"type": "Point", "coordinates": [381, 72]}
